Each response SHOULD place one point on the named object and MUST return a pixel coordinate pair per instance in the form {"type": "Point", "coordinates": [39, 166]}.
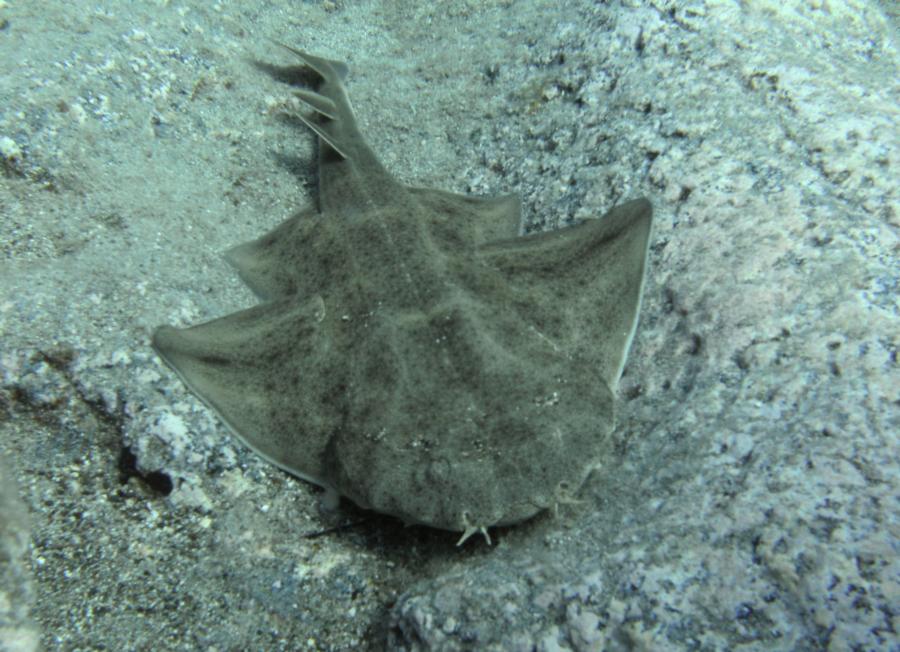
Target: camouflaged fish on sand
{"type": "Point", "coordinates": [411, 351]}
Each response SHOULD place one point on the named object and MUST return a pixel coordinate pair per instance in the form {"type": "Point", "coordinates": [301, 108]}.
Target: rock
{"type": "Point", "coordinates": [17, 632]}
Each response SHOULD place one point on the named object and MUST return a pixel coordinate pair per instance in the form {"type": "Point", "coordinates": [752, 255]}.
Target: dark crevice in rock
{"type": "Point", "coordinates": [158, 482]}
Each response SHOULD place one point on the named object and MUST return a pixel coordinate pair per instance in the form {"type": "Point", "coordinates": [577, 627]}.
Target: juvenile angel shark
{"type": "Point", "coordinates": [411, 351]}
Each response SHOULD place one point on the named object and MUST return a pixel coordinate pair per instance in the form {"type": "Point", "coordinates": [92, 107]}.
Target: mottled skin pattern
{"type": "Point", "coordinates": [411, 352]}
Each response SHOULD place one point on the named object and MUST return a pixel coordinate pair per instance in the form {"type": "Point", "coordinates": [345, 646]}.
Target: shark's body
{"type": "Point", "coordinates": [411, 352]}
